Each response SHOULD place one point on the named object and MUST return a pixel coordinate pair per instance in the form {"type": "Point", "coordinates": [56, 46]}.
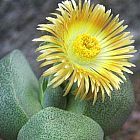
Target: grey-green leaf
{"type": "Point", "coordinates": [56, 124]}
{"type": "Point", "coordinates": [111, 114]}
{"type": "Point", "coordinates": [19, 91]}
{"type": "Point", "coordinates": [53, 97]}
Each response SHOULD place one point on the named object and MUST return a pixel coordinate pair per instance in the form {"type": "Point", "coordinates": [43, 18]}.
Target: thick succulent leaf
{"type": "Point", "coordinates": [56, 124]}
{"type": "Point", "coordinates": [53, 97]}
{"type": "Point", "coordinates": [19, 91]}
{"type": "Point", "coordinates": [110, 114]}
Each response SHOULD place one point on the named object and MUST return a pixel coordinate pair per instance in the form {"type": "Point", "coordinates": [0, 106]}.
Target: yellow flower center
{"type": "Point", "coordinates": [86, 47]}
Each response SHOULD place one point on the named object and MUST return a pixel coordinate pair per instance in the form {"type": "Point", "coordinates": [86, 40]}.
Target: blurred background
{"type": "Point", "coordinates": [18, 22]}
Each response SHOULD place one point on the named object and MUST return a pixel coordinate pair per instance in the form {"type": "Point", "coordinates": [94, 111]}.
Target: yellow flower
{"type": "Point", "coordinates": [88, 46]}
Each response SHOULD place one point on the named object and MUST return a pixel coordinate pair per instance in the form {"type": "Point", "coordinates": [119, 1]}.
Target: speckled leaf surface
{"type": "Point", "coordinates": [56, 124]}
{"type": "Point", "coordinates": [18, 94]}
{"type": "Point", "coordinates": [111, 114]}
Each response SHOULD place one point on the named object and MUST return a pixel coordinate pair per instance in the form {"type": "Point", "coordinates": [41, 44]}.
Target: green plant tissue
{"type": "Point", "coordinates": [19, 91]}
{"type": "Point", "coordinates": [56, 124]}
